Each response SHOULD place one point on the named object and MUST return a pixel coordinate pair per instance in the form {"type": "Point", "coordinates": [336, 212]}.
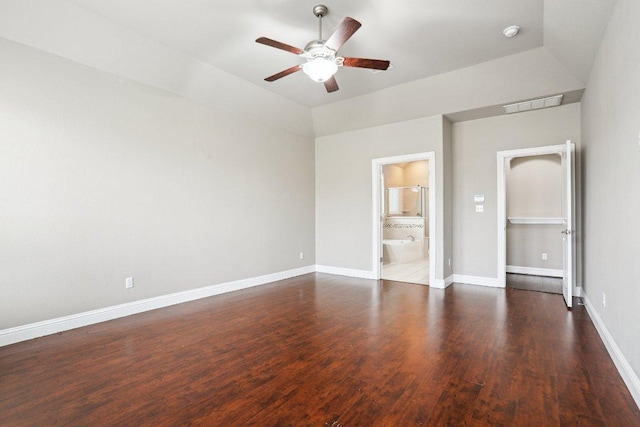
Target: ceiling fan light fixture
{"type": "Point", "coordinates": [320, 69]}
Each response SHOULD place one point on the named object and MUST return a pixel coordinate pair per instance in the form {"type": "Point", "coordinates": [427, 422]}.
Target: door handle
{"type": "Point", "coordinates": [567, 232]}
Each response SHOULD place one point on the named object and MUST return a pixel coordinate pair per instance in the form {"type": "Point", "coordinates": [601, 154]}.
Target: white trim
{"type": "Point", "coordinates": [629, 377]}
{"type": "Point", "coordinates": [363, 274]}
{"type": "Point", "coordinates": [533, 271]}
{"type": "Point", "coordinates": [442, 284]}
{"type": "Point", "coordinates": [534, 151]}
{"type": "Point", "coordinates": [477, 280]}
{"type": "Point", "coordinates": [376, 165]}
{"type": "Point", "coordinates": [60, 324]}
{"type": "Point", "coordinates": [536, 221]}
{"type": "Point", "coordinates": [448, 281]}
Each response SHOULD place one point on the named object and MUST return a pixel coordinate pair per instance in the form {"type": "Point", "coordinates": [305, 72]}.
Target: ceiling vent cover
{"type": "Point", "coordinates": [533, 104]}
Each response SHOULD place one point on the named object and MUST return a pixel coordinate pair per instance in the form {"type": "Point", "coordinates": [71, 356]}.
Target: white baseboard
{"type": "Point", "coordinates": [476, 280]}
{"type": "Point", "coordinates": [363, 274]}
{"type": "Point", "coordinates": [60, 324]}
{"type": "Point", "coordinates": [442, 283]}
{"type": "Point", "coordinates": [448, 281]}
{"type": "Point", "coordinates": [629, 377]}
{"type": "Point", "coordinates": [533, 271]}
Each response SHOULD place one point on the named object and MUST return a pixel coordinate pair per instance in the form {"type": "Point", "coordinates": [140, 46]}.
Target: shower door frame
{"type": "Point", "coordinates": [377, 191]}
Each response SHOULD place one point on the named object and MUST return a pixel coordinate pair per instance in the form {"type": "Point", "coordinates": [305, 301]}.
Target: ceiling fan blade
{"type": "Point", "coordinates": [331, 85]}
{"type": "Point", "coordinates": [343, 33]}
{"type": "Point", "coordinates": [284, 73]}
{"type": "Point", "coordinates": [376, 64]}
{"type": "Point", "coordinates": [279, 45]}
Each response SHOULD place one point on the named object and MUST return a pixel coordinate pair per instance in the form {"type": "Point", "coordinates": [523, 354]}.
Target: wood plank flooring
{"type": "Point", "coordinates": [323, 350]}
{"type": "Point", "coordinates": [535, 283]}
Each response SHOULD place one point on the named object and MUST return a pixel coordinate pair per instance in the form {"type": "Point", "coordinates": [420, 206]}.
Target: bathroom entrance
{"type": "Point", "coordinates": [404, 205]}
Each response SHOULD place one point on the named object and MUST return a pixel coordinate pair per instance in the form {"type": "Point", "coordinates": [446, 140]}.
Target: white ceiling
{"type": "Point", "coordinates": [449, 56]}
{"type": "Point", "coordinates": [420, 38]}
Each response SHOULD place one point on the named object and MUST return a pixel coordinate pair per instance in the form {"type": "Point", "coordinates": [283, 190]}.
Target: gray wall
{"type": "Point", "coordinates": [611, 166]}
{"type": "Point", "coordinates": [102, 178]}
{"type": "Point", "coordinates": [534, 190]}
{"type": "Point", "coordinates": [447, 200]}
{"type": "Point", "coordinates": [343, 186]}
{"type": "Point", "coordinates": [475, 144]}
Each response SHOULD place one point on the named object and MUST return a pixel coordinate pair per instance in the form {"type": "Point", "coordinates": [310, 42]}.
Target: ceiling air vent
{"type": "Point", "coordinates": [534, 104]}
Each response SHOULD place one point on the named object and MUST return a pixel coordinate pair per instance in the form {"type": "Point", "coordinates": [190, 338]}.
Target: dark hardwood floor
{"type": "Point", "coordinates": [325, 350]}
{"type": "Point", "coordinates": [535, 283]}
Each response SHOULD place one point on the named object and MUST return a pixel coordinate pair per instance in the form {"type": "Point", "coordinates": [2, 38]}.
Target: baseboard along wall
{"type": "Point", "coordinates": [350, 272]}
{"type": "Point", "coordinates": [629, 377]}
{"type": "Point", "coordinates": [61, 324]}
{"type": "Point", "coordinates": [476, 280]}
{"type": "Point", "coordinates": [533, 271]}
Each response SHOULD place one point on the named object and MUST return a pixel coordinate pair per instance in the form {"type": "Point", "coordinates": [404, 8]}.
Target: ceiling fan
{"type": "Point", "coordinates": [322, 61]}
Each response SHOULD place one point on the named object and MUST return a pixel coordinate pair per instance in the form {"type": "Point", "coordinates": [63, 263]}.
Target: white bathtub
{"type": "Point", "coordinates": [399, 251]}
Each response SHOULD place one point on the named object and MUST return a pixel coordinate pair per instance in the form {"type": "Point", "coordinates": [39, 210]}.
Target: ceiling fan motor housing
{"type": "Point", "coordinates": [317, 49]}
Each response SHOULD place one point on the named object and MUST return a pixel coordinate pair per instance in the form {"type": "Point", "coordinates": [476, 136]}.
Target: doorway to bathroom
{"type": "Point", "coordinates": [404, 218]}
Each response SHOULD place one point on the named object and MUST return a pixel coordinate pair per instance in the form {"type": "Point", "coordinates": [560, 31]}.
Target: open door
{"type": "Point", "coordinates": [568, 238]}
{"type": "Point", "coordinates": [567, 153]}
{"type": "Point", "coordinates": [383, 213]}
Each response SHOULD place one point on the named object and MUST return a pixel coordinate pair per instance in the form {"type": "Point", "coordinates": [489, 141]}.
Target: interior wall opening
{"type": "Point", "coordinates": [405, 222]}
{"type": "Point", "coordinates": [534, 223]}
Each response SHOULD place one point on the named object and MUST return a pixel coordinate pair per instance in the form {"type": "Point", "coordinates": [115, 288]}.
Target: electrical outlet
{"type": "Point", "coordinates": [604, 299]}
{"type": "Point", "coordinates": [449, 262]}
{"type": "Point", "coordinates": [301, 255]}
{"type": "Point", "coordinates": [128, 283]}
{"type": "Point", "coordinates": [544, 256]}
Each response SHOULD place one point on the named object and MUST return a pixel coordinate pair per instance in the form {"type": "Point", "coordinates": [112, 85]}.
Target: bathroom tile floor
{"type": "Point", "coordinates": [412, 272]}
{"type": "Point", "coordinates": [535, 283]}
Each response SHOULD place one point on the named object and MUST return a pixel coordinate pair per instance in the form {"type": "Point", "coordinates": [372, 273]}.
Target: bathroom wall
{"type": "Point", "coordinates": [408, 174]}
{"type": "Point", "coordinates": [534, 190]}
{"type": "Point", "coordinates": [402, 228]}
{"type": "Point", "coordinates": [393, 176]}
{"type": "Point", "coordinates": [416, 173]}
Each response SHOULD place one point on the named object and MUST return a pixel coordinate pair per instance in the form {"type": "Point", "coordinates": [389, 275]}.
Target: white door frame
{"type": "Point", "coordinates": [376, 167]}
{"type": "Point", "coordinates": [504, 157]}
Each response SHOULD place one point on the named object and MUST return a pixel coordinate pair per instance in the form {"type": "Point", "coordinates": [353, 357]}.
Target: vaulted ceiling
{"type": "Point", "coordinates": [206, 50]}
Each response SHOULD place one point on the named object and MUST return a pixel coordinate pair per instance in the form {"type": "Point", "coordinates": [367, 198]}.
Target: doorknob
{"type": "Point", "coordinates": [567, 232]}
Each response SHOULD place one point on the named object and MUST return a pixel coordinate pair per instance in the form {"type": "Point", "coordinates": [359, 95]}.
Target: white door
{"type": "Point", "coordinates": [383, 214]}
{"type": "Point", "coordinates": [568, 234]}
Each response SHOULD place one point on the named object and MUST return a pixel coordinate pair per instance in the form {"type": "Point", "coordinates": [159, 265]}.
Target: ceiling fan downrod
{"type": "Point", "coordinates": [320, 11]}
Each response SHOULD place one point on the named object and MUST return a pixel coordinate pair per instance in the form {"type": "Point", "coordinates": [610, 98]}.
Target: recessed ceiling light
{"type": "Point", "coordinates": [511, 31]}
